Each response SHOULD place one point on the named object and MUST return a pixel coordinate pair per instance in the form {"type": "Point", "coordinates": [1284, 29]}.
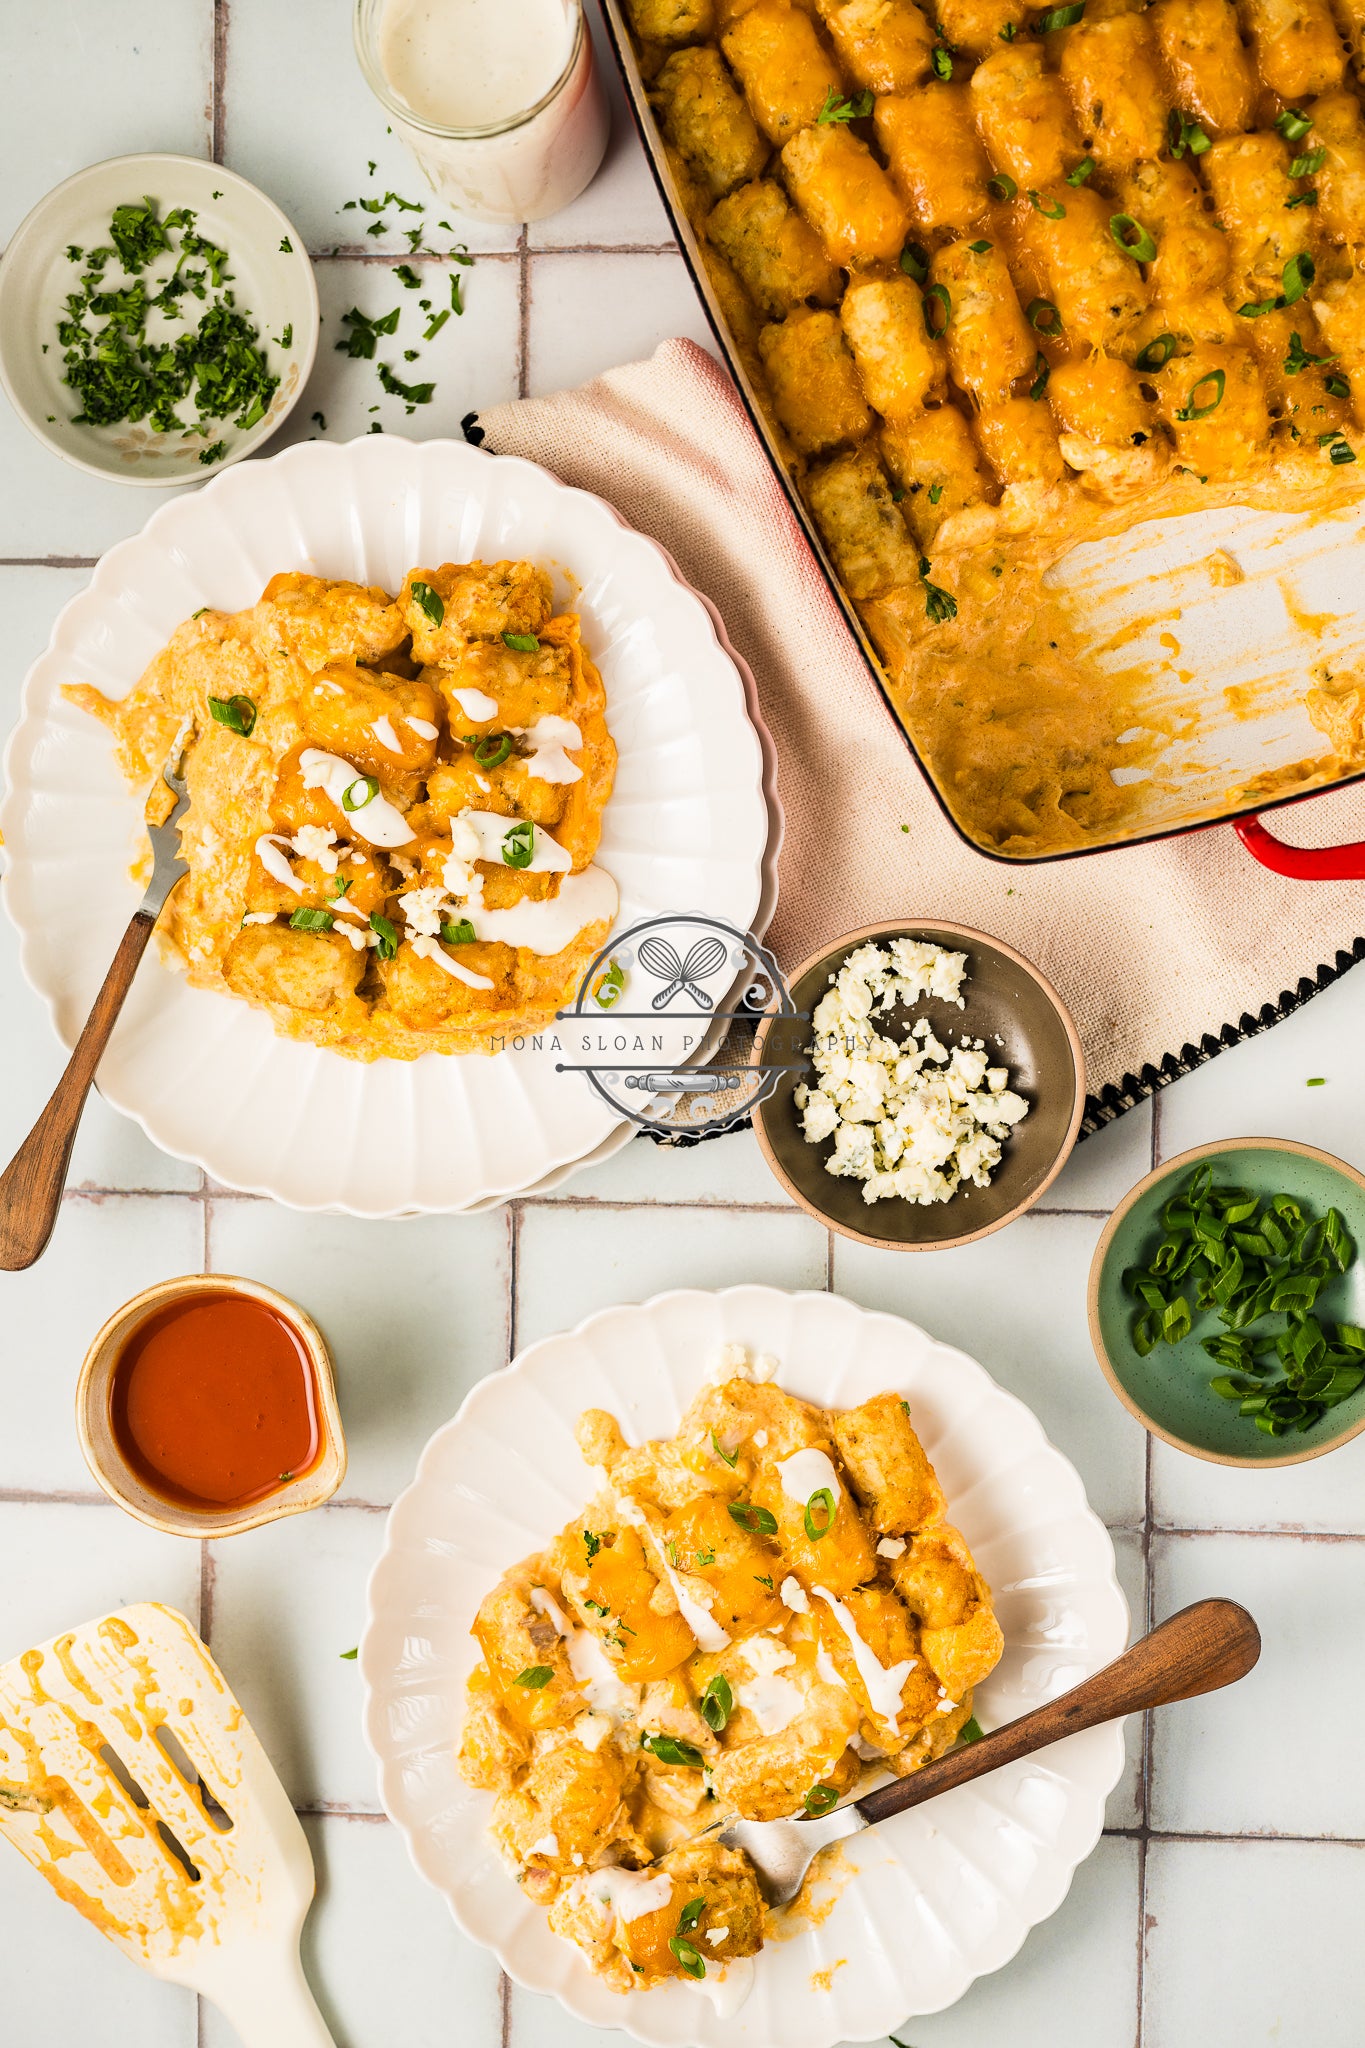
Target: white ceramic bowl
{"type": "Point", "coordinates": [940, 1895]}
{"type": "Point", "coordinates": [274, 286]}
{"type": "Point", "coordinates": [687, 829]}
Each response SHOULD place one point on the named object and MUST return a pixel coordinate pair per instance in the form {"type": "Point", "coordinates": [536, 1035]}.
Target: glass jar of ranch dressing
{"type": "Point", "coordinates": [498, 100]}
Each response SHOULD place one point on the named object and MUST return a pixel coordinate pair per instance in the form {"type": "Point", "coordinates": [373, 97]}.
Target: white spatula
{"type": "Point", "coordinates": [130, 1777]}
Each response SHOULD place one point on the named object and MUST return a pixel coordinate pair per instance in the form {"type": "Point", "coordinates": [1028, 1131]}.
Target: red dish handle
{"type": "Point", "coordinates": [1302, 863]}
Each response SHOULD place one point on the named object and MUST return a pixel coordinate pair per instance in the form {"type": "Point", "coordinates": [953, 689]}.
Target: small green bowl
{"type": "Point", "coordinates": [1169, 1390]}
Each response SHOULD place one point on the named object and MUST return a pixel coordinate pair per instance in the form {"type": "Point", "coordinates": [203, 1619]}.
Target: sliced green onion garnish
{"type": "Point", "coordinates": [835, 109]}
{"type": "Point", "coordinates": [914, 262]}
{"type": "Point", "coordinates": [1157, 353]}
{"type": "Point", "coordinates": [519, 845]}
{"type": "Point", "coordinates": [1342, 451]}
{"type": "Point", "coordinates": [823, 1500]}
{"type": "Point", "coordinates": [1305, 165]}
{"type": "Point", "coordinates": [521, 643]}
{"type": "Point", "coordinates": [1042, 314]}
{"type": "Point", "coordinates": [690, 1915]}
{"type": "Point", "coordinates": [430, 600]}
{"type": "Point", "coordinates": [1185, 135]}
{"type": "Point", "coordinates": [942, 62]}
{"type": "Point", "coordinates": [238, 714]}
{"type": "Point", "coordinates": [1051, 209]}
{"type": "Point", "coordinates": [1042, 371]}
{"type": "Point", "coordinates": [1299, 358]}
{"type": "Point", "coordinates": [978, 248]}
{"type": "Point", "coordinates": [717, 1703]}
{"type": "Point", "coordinates": [1081, 172]}
{"type": "Point", "coordinates": [970, 1731]}
{"type": "Point", "coordinates": [1193, 409]}
{"type": "Point", "coordinates": [357, 794]}
{"type": "Point", "coordinates": [821, 1799]}
{"type": "Point", "coordinates": [1336, 384]}
{"type": "Point", "coordinates": [461, 934]}
{"type": "Point", "coordinates": [689, 1959]}
{"type": "Point", "coordinates": [1299, 273]}
{"type": "Point", "coordinates": [492, 750]}
{"type": "Point", "coordinates": [670, 1749]}
{"type": "Point", "coordinates": [312, 921]}
{"type": "Point", "coordinates": [758, 1521]}
{"type": "Point", "coordinates": [1059, 17]}
{"type": "Point", "coordinates": [1002, 186]}
{"type": "Point", "coordinates": [937, 292]}
{"type": "Point", "coordinates": [724, 1455]}
{"type": "Point", "coordinates": [385, 933]}
{"type": "Point", "coordinates": [535, 1676]}
{"type": "Point", "coordinates": [1292, 124]}
{"type": "Point", "coordinates": [1132, 237]}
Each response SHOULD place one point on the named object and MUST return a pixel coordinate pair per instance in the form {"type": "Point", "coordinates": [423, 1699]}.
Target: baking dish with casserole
{"type": "Point", "coordinates": [1052, 327]}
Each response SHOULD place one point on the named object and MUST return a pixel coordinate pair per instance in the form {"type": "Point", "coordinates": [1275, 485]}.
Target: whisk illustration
{"type": "Point", "coordinates": [661, 960]}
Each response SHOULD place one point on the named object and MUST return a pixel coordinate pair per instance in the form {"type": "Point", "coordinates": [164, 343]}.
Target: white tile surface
{"type": "Point", "coordinates": [723, 1170]}
{"type": "Point", "coordinates": [431, 1989]}
{"type": "Point", "coordinates": [1308, 1599]}
{"type": "Point", "coordinates": [104, 1250]}
{"type": "Point", "coordinates": [622, 204]}
{"type": "Point", "coordinates": [287, 1602]}
{"type": "Point", "coordinates": [1259, 1088]}
{"type": "Point", "coordinates": [575, 300]}
{"type": "Point", "coordinates": [568, 1265]}
{"type": "Point", "coordinates": [58, 64]}
{"type": "Point", "coordinates": [1225, 1968]}
{"type": "Point", "coordinates": [418, 1311]}
{"type": "Point", "coordinates": [67, 1564]}
{"type": "Point", "coordinates": [1101, 1170]}
{"type": "Point", "coordinates": [472, 360]}
{"type": "Point", "coordinates": [317, 158]}
{"type": "Point", "coordinates": [415, 1313]}
{"type": "Point", "coordinates": [65, 1985]}
{"type": "Point", "coordinates": [1016, 1302]}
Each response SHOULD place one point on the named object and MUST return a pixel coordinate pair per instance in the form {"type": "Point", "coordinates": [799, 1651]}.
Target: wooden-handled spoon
{"type": "Point", "coordinates": [1206, 1646]}
{"type": "Point", "coordinates": [31, 1185]}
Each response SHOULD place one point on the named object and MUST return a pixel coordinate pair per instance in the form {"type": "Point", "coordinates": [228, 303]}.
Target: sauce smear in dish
{"type": "Point", "coordinates": [213, 1402]}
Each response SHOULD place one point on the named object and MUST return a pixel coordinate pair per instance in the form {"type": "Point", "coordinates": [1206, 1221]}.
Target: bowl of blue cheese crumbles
{"type": "Point", "coordinates": [930, 1091]}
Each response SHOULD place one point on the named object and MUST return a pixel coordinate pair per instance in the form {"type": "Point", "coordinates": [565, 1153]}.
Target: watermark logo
{"type": "Point", "coordinates": [663, 1024]}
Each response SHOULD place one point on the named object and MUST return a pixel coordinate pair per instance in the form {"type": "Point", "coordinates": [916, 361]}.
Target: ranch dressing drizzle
{"type": "Point", "coordinates": [709, 1634]}
{"type": "Point", "coordinates": [491, 829]}
{"type": "Point", "coordinates": [549, 738]}
{"type": "Point", "coordinates": [806, 1473]}
{"type": "Point", "coordinates": [382, 730]}
{"type": "Point", "coordinates": [629, 1894]}
{"type": "Point", "coordinates": [427, 948]}
{"type": "Point", "coordinates": [423, 727]}
{"type": "Point", "coordinates": [882, 1685]}
{"type": "Point", "coordinates": [377, 822]}
{"type": "Point", "coordinates": [727, 1991]}
{"type": "Point", "coordinates": [269, 852]}
{"type": "Point", "coordinates": [588, 1661]}
{"type": "Point", "coordinates": [475, 705]}
{"type": "Point", "coordinates": [474, 63]}
{"type": "Point", "coordinates": [550, 925]}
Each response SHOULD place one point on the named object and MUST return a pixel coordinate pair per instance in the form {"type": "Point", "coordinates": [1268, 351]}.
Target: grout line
{"type": "Point", "coordinates": [335, 1809]}
{"type": "Point", "coordinates": [354, 252]}
{"type": "Point", "coordinates": [523, 315]}
{"type": "Point", "coordinates": [1162, 1836]}
{"type": "Point", "coordinates": [1145, 1765]}
{"type": "Point", "coordinates": [610, 249]}
{"type": "Point", "coordinates": [1156, 1130]}
{"type": "Point", "coordinates": [48, 561]}
{"type": "Point", "coordinates": [505, 2008]}
{"type": "Point", "coordinates": [829, 1262]}
{"type": "Point", "coordinates": [208, 1580]}
{"type": "Point", "coordinates": [1140, 2030]}
{"type": "Point", "coordinates": [513, 1275]}
{"type": "Point", "coordinates": [217, 119]}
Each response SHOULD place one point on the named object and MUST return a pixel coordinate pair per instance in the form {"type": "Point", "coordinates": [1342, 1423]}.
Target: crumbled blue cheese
{"type": "Point", "coordinates": [908, 1117]}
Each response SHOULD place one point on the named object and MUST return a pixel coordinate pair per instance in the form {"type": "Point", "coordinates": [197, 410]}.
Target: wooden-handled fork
{"type": "Point", "coordinates": [31, 1185]}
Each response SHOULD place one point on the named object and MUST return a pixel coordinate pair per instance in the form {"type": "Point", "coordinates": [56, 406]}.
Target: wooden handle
{"type": "Point", "coordinates": [1206, 1646]}
{"type": "Point", "coordinates": [31, 1185]}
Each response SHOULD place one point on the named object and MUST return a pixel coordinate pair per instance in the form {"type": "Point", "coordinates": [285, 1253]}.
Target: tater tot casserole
{"type": "Point", "coordinates": [395, 803]}
{"type": "Point", "coordinates": [745, 1618]}
{"type": "Point", "coordinates": [1004, 277]}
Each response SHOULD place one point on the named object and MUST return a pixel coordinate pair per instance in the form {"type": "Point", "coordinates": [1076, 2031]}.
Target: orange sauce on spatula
{"type": "Point", "coordinates": [213, 1403]}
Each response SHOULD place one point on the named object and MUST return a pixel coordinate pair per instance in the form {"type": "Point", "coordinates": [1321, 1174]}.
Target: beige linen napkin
{"type": "Point", "coordinates": [1164, 953]}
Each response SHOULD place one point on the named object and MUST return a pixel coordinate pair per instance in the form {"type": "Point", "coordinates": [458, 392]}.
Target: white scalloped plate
{"type": "Point", "coordinates": [691, 827]}
{"type": "Point", "coordinates": [941, 1895]}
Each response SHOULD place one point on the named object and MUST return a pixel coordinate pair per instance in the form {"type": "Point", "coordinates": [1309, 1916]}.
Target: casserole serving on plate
{"type": "Point", "coordinates": [1050, 325]}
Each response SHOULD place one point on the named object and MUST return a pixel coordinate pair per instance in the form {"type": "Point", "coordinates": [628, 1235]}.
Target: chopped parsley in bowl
{"type": "Point", "coordinates": [158, 318]}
